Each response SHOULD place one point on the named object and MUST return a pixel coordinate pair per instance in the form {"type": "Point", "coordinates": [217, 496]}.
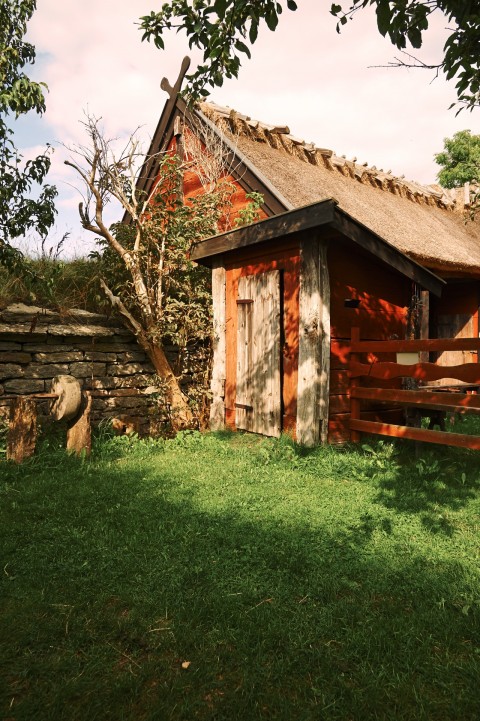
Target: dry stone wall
{"type": "Point", "coordinates": [38, 344]}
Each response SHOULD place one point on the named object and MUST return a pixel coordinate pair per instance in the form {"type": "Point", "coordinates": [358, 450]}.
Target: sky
{"type": "Point", "coordinates": [327, 87]}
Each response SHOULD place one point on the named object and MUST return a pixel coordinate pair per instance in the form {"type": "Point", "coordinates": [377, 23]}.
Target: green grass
{"type": "Point", "coordinates": [292, 585]}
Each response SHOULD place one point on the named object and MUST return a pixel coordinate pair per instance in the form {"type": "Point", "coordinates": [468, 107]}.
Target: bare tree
{"type": "Point", "coordinates": [151, 254]}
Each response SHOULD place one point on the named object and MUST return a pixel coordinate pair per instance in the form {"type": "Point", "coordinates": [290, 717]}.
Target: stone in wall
{"type": "Point", "coordinates": [47, 348]}
{"type": "Point", "coordinates": [100, 356]}
{"type": "Point", "coordinates": [138, 381]}
{"type": "Point", "coordinates": [134, 356]}
{"type": "Point", "coordinates": [15, 357]}
{"type": "Point", "coordinates": [22, 387]}
{"type": "Point", "coordinates": [58, 356]}
{"type": "Point", "coordinates": [10, 370]}
{"type": "Point", "coordinates": [46, 370]}
{"type": "Point", "coordinates": [87, 370]}
{"type": "Point", "coordinates": [126, 369]}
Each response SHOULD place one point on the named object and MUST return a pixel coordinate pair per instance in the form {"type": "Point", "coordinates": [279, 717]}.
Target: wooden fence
{"type": "Point", "coordinates": [449, 399]}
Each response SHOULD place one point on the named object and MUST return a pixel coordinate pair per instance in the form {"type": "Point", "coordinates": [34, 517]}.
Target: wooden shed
{"type": "Point", "coordinates": [425, 222]}
{"type": "Point", "coordinates": [286, 292]}
{"type": "Point", "coordinates": [421, 225]}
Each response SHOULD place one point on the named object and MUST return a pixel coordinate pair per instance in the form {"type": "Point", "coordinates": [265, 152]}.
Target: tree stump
{"type": "Point", "coordinates": [22, 432]}
{"type": "Point", "coordinates": [79, 432]}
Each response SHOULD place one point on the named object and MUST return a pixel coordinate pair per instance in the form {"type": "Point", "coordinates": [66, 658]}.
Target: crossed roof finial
{"type": "Point", "coordinates": [173, 91]}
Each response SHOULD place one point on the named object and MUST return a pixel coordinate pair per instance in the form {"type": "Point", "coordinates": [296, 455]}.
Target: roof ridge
{"type": "Point", "coordinates": [279, 137]}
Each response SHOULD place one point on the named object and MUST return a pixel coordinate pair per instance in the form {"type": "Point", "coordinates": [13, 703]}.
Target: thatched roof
{"type": "Point", "coordinates": [425, 222]}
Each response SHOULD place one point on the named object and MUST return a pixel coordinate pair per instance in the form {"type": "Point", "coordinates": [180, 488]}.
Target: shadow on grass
{"type": "Point", "coordinates": [433, 485]}
{"type": "Point", "coordinates": [125, 598]}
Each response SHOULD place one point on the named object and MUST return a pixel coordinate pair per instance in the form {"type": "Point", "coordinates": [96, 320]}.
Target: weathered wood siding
{"type": "Point", "coordinates": [217, 409]}
{"type": "Point", "coordinates": [384, 296]}
{"type": "Point", "coordinates": [258, 382]}
{"type": "Point", "coordinates": [192, 186]}
{"type": "Point", "coordinates": [314, 344]}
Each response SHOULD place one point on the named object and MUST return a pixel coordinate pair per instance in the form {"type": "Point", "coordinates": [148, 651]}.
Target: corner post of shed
{"type": "Point", "coordinates": [314, 344]}
{"type": "Point", "coordinates": [217, 409]}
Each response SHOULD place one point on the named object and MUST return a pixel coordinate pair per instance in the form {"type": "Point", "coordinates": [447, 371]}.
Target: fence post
{"type": "Point", "coordinates": [353, 382]}
{"type": "Point", "coordinates": [79, 432]}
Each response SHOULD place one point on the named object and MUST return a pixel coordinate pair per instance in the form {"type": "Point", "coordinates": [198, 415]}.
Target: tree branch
{"type": "Point", "coordinates": [122, 310]}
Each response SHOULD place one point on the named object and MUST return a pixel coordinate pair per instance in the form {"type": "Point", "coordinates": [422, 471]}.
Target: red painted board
{"type": "Point", "coordinates": [459, 440]}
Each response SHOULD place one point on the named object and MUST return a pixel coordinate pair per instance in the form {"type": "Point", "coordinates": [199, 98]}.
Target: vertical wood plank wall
{"type": "Point", "coordinates": [217, 409]}
{"type": "Point", "coordinates": [384, 296]}
{"type": "Point", "coordinates": [192, 186]}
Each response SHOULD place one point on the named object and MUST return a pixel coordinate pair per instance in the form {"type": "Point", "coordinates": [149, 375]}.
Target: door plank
{"type": "Point", "coordinates": [258, 407]}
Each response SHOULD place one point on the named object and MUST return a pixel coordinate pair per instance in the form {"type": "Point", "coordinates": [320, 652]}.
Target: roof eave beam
{"type": "Point", "coordinates": [280, 226]}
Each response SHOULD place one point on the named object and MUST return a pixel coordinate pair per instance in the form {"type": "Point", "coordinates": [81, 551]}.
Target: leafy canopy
{"type": "Point", "coordinates": [459, 160]}
{"type": "Point", "coordinates": [224, 30]}
{"type": "Point", "coordinates": [19, 212]}
{"type": "Point", "coordinates": [405, 21]}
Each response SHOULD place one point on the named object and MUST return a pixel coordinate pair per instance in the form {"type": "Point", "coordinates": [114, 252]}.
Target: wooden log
{"type": "Point", "coordinates": [460, 440]}
{"type": "Point", "coordinates": [454, 402]}
{"type": "Point", "coordinates": [22, 431]}
{"type": "Point", "coordinates": [79, 431]}
{"type": "Point", "coordinates": [314, 345]}
{"type": "Point", "coordinates": [468, 373]}
{"type": "Point", "coordinates": [217, 409]}
{"type": "Point", "coordinates": [414, 346]}
{"type": "Point", "coordinates": [339, 423]}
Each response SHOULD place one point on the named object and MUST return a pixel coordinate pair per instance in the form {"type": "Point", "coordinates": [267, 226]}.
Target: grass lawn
{"type": "Point", "coordinates": [228, 577]}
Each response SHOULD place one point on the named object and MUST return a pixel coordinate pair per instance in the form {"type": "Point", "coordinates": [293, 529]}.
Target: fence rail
{"type": "Point", "coordinates": [434, 400]}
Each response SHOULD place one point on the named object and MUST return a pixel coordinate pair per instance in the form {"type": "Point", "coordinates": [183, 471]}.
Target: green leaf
{"type": "Point", "coordinates": [384, 16]}
{"type": "Point", "coordinates": [271, 18]}
{"type": "Point", "coordinates": [415, 37]}
{"type": "Point", "coordinates": [253, 33]}
{"type": "Point", "coordinates": [220, 7]}
{"type": "Point", "coordinates": [243, 48]}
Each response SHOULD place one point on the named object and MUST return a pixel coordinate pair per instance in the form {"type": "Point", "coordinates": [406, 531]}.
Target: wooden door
{"type": "Point", "coordinates": [258, 385]}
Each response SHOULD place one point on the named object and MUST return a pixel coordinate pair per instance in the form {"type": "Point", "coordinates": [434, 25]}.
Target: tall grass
{"type": "Point", "coordinates": [225, 577]}
{"type": "Point", "coordinates": [53, 283]}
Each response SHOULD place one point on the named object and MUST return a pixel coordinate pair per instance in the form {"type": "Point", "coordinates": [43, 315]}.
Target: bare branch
{"type": "Point", "coordinates": [411, 61]}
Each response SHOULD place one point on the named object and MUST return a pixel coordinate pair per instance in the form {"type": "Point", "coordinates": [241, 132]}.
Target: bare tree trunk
{"type": "Point", "coordinates": [180, 412]}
